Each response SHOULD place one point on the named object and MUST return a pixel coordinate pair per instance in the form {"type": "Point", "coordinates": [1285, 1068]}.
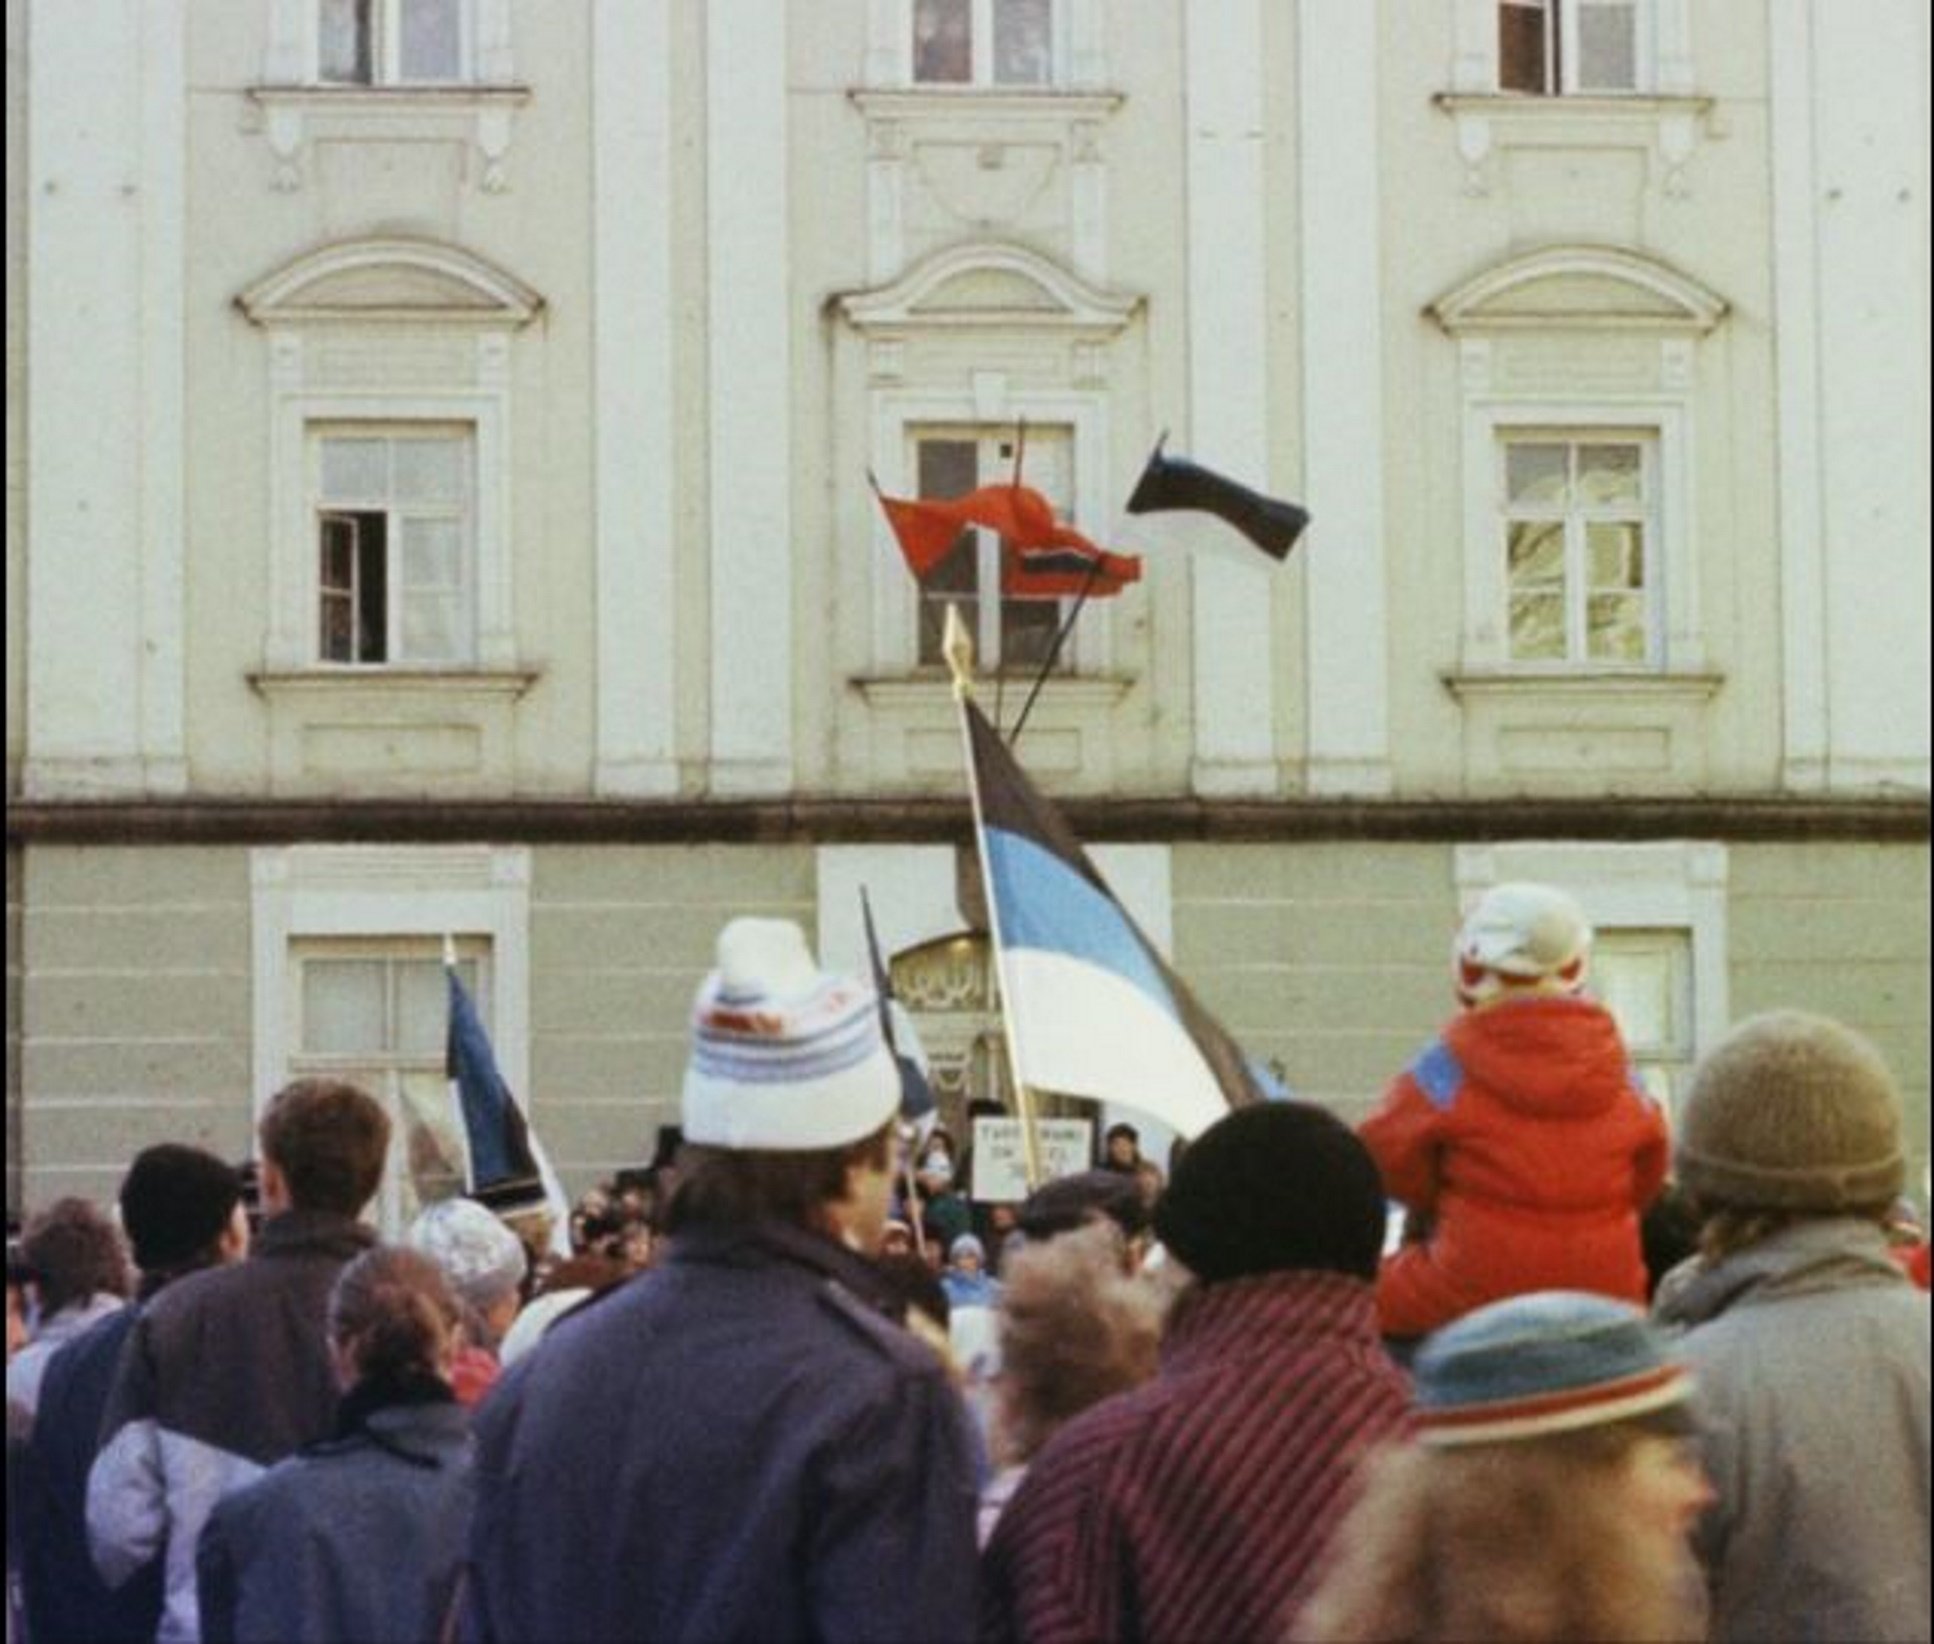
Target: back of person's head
{"type": "Point", "coordinates": [393, 1316]}
{"type": "Point", "coordinates": [479, 1255]}
{"type": "Point", "coordinates": [1074, 1329]}
{"type": "Point", "coordinates": [176, 1203]}
{"type": "Point", "coordinates": [74, 1253]}
{"type": "Point", "coordinates": [1068, 1202]}
{"type": "Point", "coordinates": [1277, 1186]}
{"type": "Point", "coordinates": [790, 1084]}
{"type": "Point", "coordinates": [1521, 937]}
{"type": "Point", "coordinates": [328, 1141]}
{"type": "Point", "coordinates": [1791, 1115]}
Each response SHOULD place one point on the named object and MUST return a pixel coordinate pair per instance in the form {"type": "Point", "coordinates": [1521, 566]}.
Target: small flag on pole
{"type": "Point", "coordinates": [506, 1165]}
{"type": "Point", "coordinates": [1093, 1009]}
{"type": "Point", "coordinates": [1043, 559]}
{"type": "Point", "coordinates": [1199, 508]}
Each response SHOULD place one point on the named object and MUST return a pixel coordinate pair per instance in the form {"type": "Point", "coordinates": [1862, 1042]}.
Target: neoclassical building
{"type": "Point", "coordinates": [438, 446]}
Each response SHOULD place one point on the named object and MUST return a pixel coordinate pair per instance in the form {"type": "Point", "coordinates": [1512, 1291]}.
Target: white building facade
{"type": "Point", "coordinates": [438, 449]}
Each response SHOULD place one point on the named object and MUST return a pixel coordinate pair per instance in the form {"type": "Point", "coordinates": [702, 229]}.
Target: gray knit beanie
{"type": "Point", "coordinates": [1791, 1111]}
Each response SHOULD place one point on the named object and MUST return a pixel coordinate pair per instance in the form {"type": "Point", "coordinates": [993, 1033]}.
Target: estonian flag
{"type": "Point", "coordinates": [1093, 1010]}
{"type": "Point", "coordinates": [917, 1105]}
{"type": "Point", "coordinates": [1206, 510]}
{"type": "Point", "coordinates": [506, 1167]}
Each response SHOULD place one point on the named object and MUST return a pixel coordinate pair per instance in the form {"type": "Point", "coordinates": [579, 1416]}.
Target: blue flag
{"type": "Point", "coordinates": [501, 1160]}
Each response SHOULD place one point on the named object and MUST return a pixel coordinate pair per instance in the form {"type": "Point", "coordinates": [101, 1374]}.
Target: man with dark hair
{"type": "Point", "coordinates": [227, 1370]}
{"type": "Point", "coordinates": [741, 1443]}
{"type": "Point", "coordinates": [1197, 1506]}
{"type": "Point", "coordinates": [182, 1210]}
{"type": "Point", "coordinates": [77, 1274]}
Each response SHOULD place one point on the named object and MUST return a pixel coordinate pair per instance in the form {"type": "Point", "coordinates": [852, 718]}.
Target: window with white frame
{"type": "Point", "coordinates": [949, 461]}
{"type": "Point", "coordinates": [1552, 48]}
{"type": "Point", "coordinates": [393, 42]}
{"type": "Point", "coordinates": [1579, 526]}
{"type": "Point", "coordinates": [985, 42]}
{"type": "Point", "coordinates": [395, 545]}
{"type": "Point", "coordinates": [1644, 978]}
{"type": "Point", "coordinates": [375, 1012]}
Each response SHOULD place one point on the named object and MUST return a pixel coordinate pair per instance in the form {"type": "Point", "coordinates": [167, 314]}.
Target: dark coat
{"type": "Point", "coordinates": [358, 1537]}
{"type": "Point", "coordinates": [736, 1445]}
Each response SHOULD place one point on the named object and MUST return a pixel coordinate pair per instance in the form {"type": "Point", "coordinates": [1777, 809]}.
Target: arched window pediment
{"type": "Point", "coordinates": [390, 279]}
{"type": "Point", "coordinates": [1572, 287]}
{"type": "Point", "coordinates": [989, 284]}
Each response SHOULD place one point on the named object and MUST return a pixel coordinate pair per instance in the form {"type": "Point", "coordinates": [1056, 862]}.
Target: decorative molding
{"type": "Point", "coordinates": [1469, 685]}
{"type": "Point", "coordinates": [394, 280]}
{"type": "Point", "coordinates": [1663, 297]}
{"type": "Point", "coordinates": [292, 120]}
{"type": "Point", "coordinates": [919, 299]}
{"type": "Point", "coordinates": [1668, 127]}
{"type": "Point", "coordinates": [326, 681]}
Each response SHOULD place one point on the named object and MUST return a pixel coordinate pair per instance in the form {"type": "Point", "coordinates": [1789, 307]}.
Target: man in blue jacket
{"type": "Point", "coordinates": [741, 1443]}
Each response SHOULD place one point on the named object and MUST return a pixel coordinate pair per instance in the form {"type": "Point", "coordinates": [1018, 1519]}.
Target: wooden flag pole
{"type": "Point", "coordinates": [958, 648]}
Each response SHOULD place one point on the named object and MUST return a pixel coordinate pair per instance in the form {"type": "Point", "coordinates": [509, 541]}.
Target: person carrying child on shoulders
{"type": "Point", "coordinates": [1518, 1139]}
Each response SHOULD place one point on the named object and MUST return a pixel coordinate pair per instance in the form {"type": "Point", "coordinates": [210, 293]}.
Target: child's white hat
{"type": "Point", "coordinates": [1519, 933]}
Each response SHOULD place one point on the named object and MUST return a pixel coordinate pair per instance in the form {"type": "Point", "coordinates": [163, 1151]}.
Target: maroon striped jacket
{"type": "Point", "coordinates": [1195, 1508]}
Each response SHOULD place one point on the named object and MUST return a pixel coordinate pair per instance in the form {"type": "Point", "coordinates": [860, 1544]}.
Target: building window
{"type": "Point", "coordinates": [948, 462]}
{"type": "Point", "coordinates": [395, 540]}
{"type": "Point", "coordinates": [376, 1013]}
{"type": "Point", "coordinates": [1549, 48]}
{"type": "Point", "coordinates": [984, 42]}
{"type": "Point", "coordinates": [1644, 978]}
{"type": "Point", "coordinates": [392, 42]}
{"type": "Point", "coordinates": [1579, 540]}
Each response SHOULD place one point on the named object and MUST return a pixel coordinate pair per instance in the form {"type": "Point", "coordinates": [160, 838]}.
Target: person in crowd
{"type": "Point", "coordinates": [78, 1274]}
{"type": "Point", "coordinates": [1149, 1182]}
{"type": "Point", "coordinates": [181, 1209]}
{"type": "Point", "coordinates": [1074, 1328]}
{"type": "Point", "coordinates": [1546, 1498]}
{"type": "Point", "coordinates": [485, 1263]}
{"type": "Point", "coordinates": [1089, 1196]}
{"type": "Point", "coordinates": [1121, 1149]}
{"type": "Point", "coordinates": [18, 1278]}
{"type": "Point", "coordinates": [1907, 1239]}
{"type": "Point", "coordinates": [818, 1479]}
{"type": "Point", "coordinates": [227, 1370]}
{"type": "Point", "coordinates": [966, 1280]}
{"type": "Point", "coordinates": [358, 1535]}
{"type": "Point", "coordinates": [565, 1287]}
{"type": "Point", "coordinates": [941, 1203]}
{"type": "Point", "coordinates": [897, 1239]}
{"type": "Point", "coordinates": [1196, 1506]}
{"type": "Point", "coordinates": [1518, 1139]}
{"type": "Point", "coordinates": [1810, 1344]}
{"type": "Point", "coordinates": [1668, 1233]}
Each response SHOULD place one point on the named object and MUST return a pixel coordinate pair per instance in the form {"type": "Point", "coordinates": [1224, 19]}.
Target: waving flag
{"type": "Point", "coordinates": [917, 1105]}
{"type": "Point", "coordinates": [507, 1169]}
{"type": "Point", "coordinates": [1044, 558]}
{"type": "Point", "coordinates": [1201, 508]}
{"type": "Point", "coordinates": [1093, 1009]}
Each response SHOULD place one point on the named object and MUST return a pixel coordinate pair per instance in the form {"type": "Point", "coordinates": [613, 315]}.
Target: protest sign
{"type": "Point", "coordinates": [1000, 1155]}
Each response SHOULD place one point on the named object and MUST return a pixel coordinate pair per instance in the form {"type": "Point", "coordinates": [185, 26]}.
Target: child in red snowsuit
{"type": "Point", "coordinates": [1518, 1136]}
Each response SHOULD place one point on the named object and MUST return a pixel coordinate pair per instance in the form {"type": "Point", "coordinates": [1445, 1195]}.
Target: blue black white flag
{"type": "Point", "coordinates": [1180, 503]}
{"type": "Point", "coordinates": [917, 1105]}
{"type": "Point", "coordinates": [1093, 1009]}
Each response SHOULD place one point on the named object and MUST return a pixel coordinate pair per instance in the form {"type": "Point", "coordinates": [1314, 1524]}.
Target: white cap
{"type": "Point", "coordinates": [1521, 932]}
{"type": "Point", "coordinates": [785, 1058]}
{"type": "Point", "coordinates": [480, 1256]}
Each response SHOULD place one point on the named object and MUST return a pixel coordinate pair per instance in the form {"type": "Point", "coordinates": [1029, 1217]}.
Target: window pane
{"type": "Point", "coordinates": [338, 553]}
{"type": "Point", "coordinates": [1615, 625]}
{"type": "Point", "coordinates": [1609, 475]}
{"type": "Point", "coordinates": [1534, 473]}
{"type": "Point", "coordinates": [1607, 47]}
{"type": "Point", "coordinates": [1023, 42]}
{"type": "Point", "coordinates": [1615, 553]}
{"type": "Point", "coordinates": [432, 470]}
{"type": "Point", "coordinates": [433, 629]}
{"type": "Point", "coordinates": [422, 1007]}
{"type": "Point", "coordinates": [954, 581]}
{"type": "Point", "coordinates": [1027, 630]}
{"type": "Point", "coordinates": [1536, 554]}
{"type": "Point", "coordinates": [343, 42]}
{"type": "Point", "coordinates": [1521, 46]}
{"type": "Point", "coordinates": [372, 587]}
{"type": "Point", "coordinates": [355, 470]}
{"type": "Point", "coordinates": [1537, 628]}
{"type": "Point", "coordinates": [948, 468]}
{"type": "Point", "coordinates": [432, 555]}
{"type": "Point", "coordinates": [943, 45]}
{"type": "Point", "coordinates": [432, 40]}
{"type": "Point", "coordinates": [342, 1007]}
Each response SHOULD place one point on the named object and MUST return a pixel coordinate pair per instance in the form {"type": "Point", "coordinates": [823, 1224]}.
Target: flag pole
{"type": "Point", "coordinates": [958, 648]}
{"type": "Point", "coordinates": [1054, 650]}
{"type": "Point", "coordinates": [1014, 481]}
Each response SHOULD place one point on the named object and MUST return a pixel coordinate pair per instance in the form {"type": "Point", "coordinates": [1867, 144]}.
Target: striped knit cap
{"type": "Point", "coordinates": [1547, 1363]}
{"type": "Point", "coordinates": [785, 1058]}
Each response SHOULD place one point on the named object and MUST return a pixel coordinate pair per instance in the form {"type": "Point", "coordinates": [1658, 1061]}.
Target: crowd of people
{"type": "Point", "coordinates": [1613, 1380]}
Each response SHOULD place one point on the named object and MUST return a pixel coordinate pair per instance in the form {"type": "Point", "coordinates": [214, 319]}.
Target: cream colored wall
{"type": "Point", "coordinates": [16, 392]}
{"type": "Point", "coordinates": [405, 180]}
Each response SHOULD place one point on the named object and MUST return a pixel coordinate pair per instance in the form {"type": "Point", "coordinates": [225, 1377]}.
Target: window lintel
{"type": "Point", "coordinates": [935, 293]}
{"type": "Point", "coordinates": [390, 280]}
{"type": "Point", "coordinates": [1579, 287]}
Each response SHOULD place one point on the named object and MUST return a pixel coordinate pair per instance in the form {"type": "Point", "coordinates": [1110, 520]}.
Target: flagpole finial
{"type": "Point", "coordinates": [449, 951]}
{"type": "Point", "coordinates": [957, 646]}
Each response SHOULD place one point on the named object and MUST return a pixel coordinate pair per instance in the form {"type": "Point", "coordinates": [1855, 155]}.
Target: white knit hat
{"type": "Point", "coordinates": [785, 1058]}
{"type": "Point", "coordinates": [1520, 932]}
{"type": "Point", "coordinates": [482, 1258]}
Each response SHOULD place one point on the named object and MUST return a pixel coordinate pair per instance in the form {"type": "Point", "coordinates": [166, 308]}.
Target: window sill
{"type": "Point", "coordinates": [1503, 683]}
{"type": "Point", "coordinates": [1667, 125]}
{"type": "Point", "coordinates": [1079, 693]}
{"type": "Point", "coordinates": [479, 115]}
{"type": "Point", "coordinates": [904, 736]}
{"type": "Point", "coordinates": [324, 680]}
{"type": "Point", "coordinates": [991, 102]}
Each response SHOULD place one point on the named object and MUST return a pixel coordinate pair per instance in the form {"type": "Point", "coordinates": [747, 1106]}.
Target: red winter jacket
{"type": "Point", "coordinates": [1521, 1134]}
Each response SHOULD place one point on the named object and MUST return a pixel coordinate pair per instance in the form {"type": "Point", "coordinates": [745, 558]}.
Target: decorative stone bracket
{"type": "Point", "coordinates": [291, 119]}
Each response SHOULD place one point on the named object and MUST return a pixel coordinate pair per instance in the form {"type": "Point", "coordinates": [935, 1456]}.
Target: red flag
{"type": "Point", "coordinates": [1044, 559]}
